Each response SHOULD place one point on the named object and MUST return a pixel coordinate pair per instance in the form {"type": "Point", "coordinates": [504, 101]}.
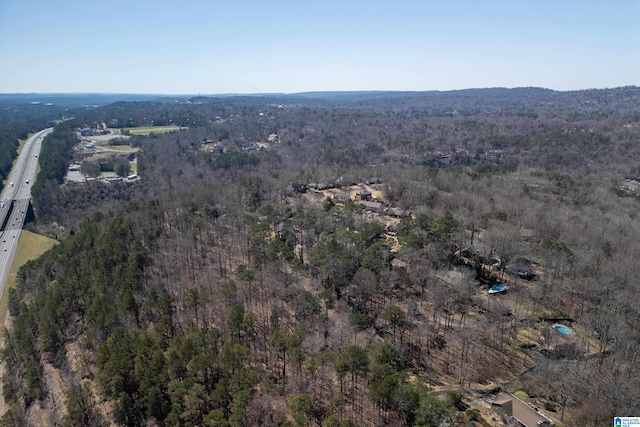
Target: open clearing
{"type": "Point", "coordinates": [30, 246]}
{"type": "Point", "coordinates": [147, 130]}
{"type": "Point", "coordinates": [123, 148]}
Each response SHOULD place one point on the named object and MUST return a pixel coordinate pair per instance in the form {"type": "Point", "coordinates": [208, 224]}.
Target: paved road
{"type": "Point", "coordinates": [14, 201]}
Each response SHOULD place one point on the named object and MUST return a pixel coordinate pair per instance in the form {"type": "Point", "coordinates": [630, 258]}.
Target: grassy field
{"type": "Point", "coordinates": [123, 148]}
{"type": "Point", "coordinates": [30, 246]}
{"type": "Point", "coordinates": [99, 156]}
{"type": "Point", "coordinates": [146, 130]}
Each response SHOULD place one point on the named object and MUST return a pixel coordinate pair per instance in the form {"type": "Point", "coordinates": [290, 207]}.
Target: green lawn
{"type": "Point", "coordinates": [146, 130]}
{"type": "Point", "coordinates": [30, 246]}
{"type": "Point", "coordinates": [123, 148]}
{"type": "Point", "coordinates": [99, 156]}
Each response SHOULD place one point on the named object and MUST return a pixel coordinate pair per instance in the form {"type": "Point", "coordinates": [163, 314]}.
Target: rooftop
{"type": "Point", "coordinates": [516, 408]}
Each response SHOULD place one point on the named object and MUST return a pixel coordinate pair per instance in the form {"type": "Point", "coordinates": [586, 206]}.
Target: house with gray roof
{"type": "Point", "coordinates": [515, 412]}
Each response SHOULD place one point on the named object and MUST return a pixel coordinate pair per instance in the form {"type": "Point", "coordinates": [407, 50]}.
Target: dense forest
{"type": "Point", "coordinates": [328, 260]}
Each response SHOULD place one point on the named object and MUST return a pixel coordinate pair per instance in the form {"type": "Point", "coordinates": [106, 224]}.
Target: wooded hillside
{"type": "Point", "coordinates": [286, 261]}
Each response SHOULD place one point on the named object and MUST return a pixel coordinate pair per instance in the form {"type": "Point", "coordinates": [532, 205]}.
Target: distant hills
{"type": "Point", "coordinates": [105, 98]}
{"type": "Point", "coordinates": [526, 101]}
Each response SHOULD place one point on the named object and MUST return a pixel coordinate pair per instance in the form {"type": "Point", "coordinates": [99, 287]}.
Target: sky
{"type": "Point", "coordinates": [289, 46]}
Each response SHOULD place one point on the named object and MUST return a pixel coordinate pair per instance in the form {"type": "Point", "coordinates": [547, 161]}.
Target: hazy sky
{"type": "Point", "coordinates": [211, 46]}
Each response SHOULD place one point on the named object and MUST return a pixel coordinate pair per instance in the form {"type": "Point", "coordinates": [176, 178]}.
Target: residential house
{"type": "Point", "coordinates": [516, 412]}
{"type": "Point", "coordinates": [391, 229]}
{"type": "Point", "coordinates": [364, 195]}
{"type": "Point", "coordinates": [296, 187]}
{"type": "Point", "coordinates": [398, 212]}
{"type": "Point", "coordinates": [341, 196]}
{"type": "Point", "coordinates": [478, 252]}
{"type": "Point", "coordinates": [370, 206]}
{"type": "Point", "coordinates": [521, 267]}
{"type": "Point", "coordinates": [253, 146]}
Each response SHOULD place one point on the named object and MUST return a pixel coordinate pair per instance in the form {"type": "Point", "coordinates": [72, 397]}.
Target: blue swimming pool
{"type": "Point", "coordinates": [498, 287]}
{"type": "Point", "coordinates": [562, 329]}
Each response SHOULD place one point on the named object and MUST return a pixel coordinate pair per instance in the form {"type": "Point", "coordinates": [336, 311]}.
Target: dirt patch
{"type": "Point", "coordinates": [56, 398]}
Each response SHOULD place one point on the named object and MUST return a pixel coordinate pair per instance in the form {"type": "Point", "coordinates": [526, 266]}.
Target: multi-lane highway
{"type": "Point", "coordinates": [14, 201]}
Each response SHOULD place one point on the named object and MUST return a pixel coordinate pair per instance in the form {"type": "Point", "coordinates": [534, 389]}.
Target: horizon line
{"type": "Point", "coordinates": [311, 91]}
{"type": "Point", "coordinates": [228, 94]}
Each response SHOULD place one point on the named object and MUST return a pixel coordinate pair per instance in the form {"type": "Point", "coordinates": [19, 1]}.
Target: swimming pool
{"type": "Point", "coordinates": [498, 287]}
{"type": "Point", "coordinates": [562, 329]}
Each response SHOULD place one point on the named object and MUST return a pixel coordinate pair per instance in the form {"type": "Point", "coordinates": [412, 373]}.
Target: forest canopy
{"type": "Point", "coordinates": [332, 262]}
